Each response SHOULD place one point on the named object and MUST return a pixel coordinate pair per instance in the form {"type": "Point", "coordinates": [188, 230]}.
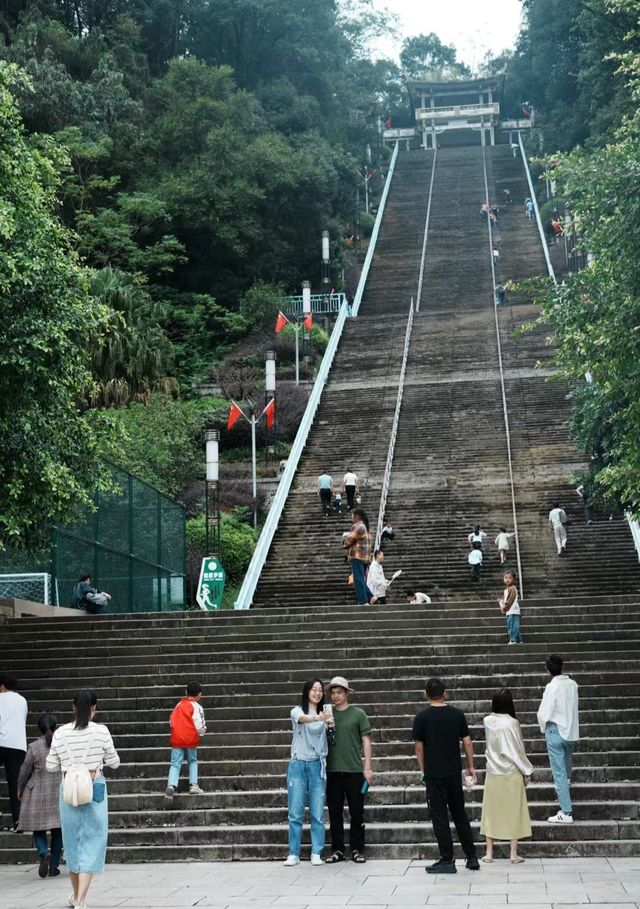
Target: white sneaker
{"type": "Point", "coordinates": [195, 790]}
{"type": "Point", "coordinates": [291, 861]}
{"type": "Point", "coordinates": [316, 859]}
{"type": "Point", "coordinates": [71, 900]}
{"type": "Point", "coordinates": [561, 818]}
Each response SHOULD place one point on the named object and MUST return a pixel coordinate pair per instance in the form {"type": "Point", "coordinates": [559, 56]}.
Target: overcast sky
{"type": "Point", "coordinates": [472, 26]}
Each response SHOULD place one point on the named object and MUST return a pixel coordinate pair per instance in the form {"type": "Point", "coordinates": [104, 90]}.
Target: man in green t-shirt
{"type": "Point", "coordinates": [345, 776]}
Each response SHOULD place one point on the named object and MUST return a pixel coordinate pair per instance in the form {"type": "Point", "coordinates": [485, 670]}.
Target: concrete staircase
{"type": "Point", "coordinates": [252, 667]}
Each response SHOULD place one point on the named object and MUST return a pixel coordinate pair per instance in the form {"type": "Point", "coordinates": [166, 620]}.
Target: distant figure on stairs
{"type": "Point", "coordinates": [501, 295]}
{"type": "Point", "coordinates": [557, 521]}
{"type": "Point", "coordinates": [350, 487]}
{"type": "Point", "coordinates": [325, 491]}
{"type": "Point", "coordinates": [358, 544]}
{"type": "Point", "coordinates": [510, 607]}
{"type": "Point", "coordinates": [475, 561]}
{"type": "Point", "coordinates": [388, 532]}
{"type": "Point", "coordinates": [585, 494]}
{"type": "Point", "coordinates": [502, 542]}
{"type": "Point", "coordinates": [415, 597]}
{"type": "Point", "coordinates": [558, 720]}
{"type": "Point", "coordinates": [507, 196]}
{"type": "Point", "coordinates": [528, 208]}
{"type": "Point", "coordinates": [477, 535]}
{"type": "Point", "coordinates": [496, 256]}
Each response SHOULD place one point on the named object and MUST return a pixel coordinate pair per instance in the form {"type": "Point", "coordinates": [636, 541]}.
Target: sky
{"type": "Point", "coordinates": [472, 26]}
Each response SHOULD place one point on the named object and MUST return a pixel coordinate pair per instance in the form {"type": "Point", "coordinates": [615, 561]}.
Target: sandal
{"type": "Point", "coordinates": [335, 857]}
{"type": "Point", "coordinates": [357, 857]}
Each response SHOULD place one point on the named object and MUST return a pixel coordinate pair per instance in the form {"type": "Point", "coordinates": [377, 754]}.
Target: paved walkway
{"type": "Point", "coordinates": [538, 884]}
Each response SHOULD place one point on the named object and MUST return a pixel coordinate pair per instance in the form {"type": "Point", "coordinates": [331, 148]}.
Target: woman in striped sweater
{"type": "Point", "coordinates": [85, 827]}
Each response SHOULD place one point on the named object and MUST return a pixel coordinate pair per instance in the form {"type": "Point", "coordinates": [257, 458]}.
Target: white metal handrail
{"type": "Point", "coordinates": [505, 410]}
{"type": "Point", "coordinates": [425, 237]}
{"type": "Point", "coordinates": [394, 429]}
{"type": "Point", "coordinates": [357, 300]}
{"type": "Point", "coordinates": [634, 527]}
{"type": "Point", "coordinates": [260, 553]}
{"type": "Point", "coordinates": [545, 248]}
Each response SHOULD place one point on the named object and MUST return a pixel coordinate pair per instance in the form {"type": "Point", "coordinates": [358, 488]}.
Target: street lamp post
{"type": "Point", "coordinates": [326, 267]}
{"type": "Point", "coordinates": [270, 391]}
{"type": "Point", "coordinates": [212, 511]}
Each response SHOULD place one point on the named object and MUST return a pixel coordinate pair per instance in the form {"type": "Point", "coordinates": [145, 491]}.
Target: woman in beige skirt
{"type": "Point", "coordinates": [505, 813]}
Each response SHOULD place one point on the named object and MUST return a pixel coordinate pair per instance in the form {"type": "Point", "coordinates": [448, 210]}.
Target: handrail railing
{"type": "Point", "coordinates": [394, 429]}
{"type": "Point", "coordinates": [634, 527]}
{"type": "Point", "coordinates": [425, 237]}
{"type": "Point", "coordinates": [357, 300]}
{"type": "Point", "coordinates": [320, 303]}
{"type": "Point", "coordinates": [505, 409]}
{"type": "Point", "coordinates": [260, 553]}
{"type": "Point", "coordinates": [545, 248]}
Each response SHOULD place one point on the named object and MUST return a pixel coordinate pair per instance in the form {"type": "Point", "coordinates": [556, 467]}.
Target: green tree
{"type": "Point", "coordinates": [48, 452]}
{"type": "Point", "coordinates": [425, 56]}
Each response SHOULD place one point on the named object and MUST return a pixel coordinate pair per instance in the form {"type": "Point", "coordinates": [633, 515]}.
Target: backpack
{"type": "Point", "coordinates": [77, 788]}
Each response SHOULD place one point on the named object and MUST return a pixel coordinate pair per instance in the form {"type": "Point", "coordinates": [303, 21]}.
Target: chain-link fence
{"type": "Point", "coordinates": [132, 545]}
{"type": "Point", "coordinates": [33, 586]}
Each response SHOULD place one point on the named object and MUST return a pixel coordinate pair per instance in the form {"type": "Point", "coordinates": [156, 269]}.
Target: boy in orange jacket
{"type": "Point", "coordinates": [187, 725]}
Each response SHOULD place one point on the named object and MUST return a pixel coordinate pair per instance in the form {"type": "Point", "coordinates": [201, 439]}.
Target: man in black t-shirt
{"type": "Point", "coordinates": [437, 732]}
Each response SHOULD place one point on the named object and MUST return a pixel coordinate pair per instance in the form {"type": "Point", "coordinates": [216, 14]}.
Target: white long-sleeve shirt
{"type": "Point", "coordinates": [376, 581]}
{"type": "Point", "coordinates": [559, 705]}
{"type": "Point", "coordinates": [13, 721]}
{"type": "Point", "coordinates": [69, 745]}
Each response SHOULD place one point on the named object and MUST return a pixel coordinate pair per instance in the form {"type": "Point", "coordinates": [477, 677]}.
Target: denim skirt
{"type": "Point", "coordinates": [84, 835]}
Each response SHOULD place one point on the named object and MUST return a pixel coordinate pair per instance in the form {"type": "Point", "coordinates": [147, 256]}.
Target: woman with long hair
{"type": "Point", "coordinates": [38, 792]}
{"type": "Point", "coordinates": [84, 827]}
{"type": "Point", "coordinates": [307, 771]}
{"type": "Point", "coordinates": [358, 542]}
{"type": "Point", "coordinates": [505, 812]}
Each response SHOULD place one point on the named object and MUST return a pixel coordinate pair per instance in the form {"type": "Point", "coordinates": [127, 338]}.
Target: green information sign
{"type": "Point", "coordinates": [211, 584]}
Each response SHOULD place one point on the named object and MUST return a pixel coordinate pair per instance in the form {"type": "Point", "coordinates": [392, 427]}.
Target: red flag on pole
{"type": "Point", "coordinates": [308, 322]}
{"type": "Point", "coordinates": [281, 321]}
{"type": "Point", "coordinates": [388, 123]}
{"type": "Point", "coordinates": [234, 415]}
{"type": "Point", "coordinates": [270, 412]}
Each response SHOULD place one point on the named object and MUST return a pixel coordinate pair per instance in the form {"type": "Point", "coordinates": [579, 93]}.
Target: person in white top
{"type": "Point", "coordinates": [475, 560]}
{"type": "Point", "coordinates": [376, 581]}
{"type": "Point", "coordinates": [477, 535]}
{"type": "Point", "coordinates": [558, 720]}
{"type": "Point", "coordinates": [557, 520]}
{"type": "Point", "coordinates": [505, 813]}
{"type": "Point", "coordinates": [415, 597]}
{"type": "Point", "coordinates": [510, 607]}
{"type": "Point", "coordinates": [13, 740]}
{"type": "Point", "coordinates": [351, 487]}
{"type": "Point", "coordinates": [84, 827]}
{"type": "Point", "coordinates": [502, 542]}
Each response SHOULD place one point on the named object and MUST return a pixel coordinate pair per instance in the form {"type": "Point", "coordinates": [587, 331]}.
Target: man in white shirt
{"type": "Point", "coordinates": [13, 740]}
{"type": "Point", "coordinates": [557, 520]}
{"type": "Point", "coordinates": [558, 720]}
{"type": "Point", "coordinates": [475, 561]}
{"type": "Point", "coordinates": [350, 486]}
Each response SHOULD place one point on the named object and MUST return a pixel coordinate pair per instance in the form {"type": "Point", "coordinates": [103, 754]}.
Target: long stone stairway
{"type": "Point", "coordinates": [450, 471]}
{"type": "Point", "coordinates": [253, 666]}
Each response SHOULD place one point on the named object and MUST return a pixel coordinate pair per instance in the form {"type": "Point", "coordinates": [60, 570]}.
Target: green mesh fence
{"type": "Point", "coordinates": [132, 545]}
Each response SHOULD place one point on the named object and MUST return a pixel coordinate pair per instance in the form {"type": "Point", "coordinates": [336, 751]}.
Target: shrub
{"type": "Point", "coordinates": [237, 542]}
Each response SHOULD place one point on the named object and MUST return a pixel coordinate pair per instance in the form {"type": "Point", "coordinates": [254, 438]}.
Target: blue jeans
{"type": "Point", "coordinates": [305, 785]}
{"type": "Point", "coordinates": [40, 842]}
{"type": "Point", "coordinates": [177, 757]}
{"type": "Point", "coordinates": [513, 627]}
{"type": "Point", "coordinates": [560, 756]}
{"type": "Point", "coordinates": [358, 570]}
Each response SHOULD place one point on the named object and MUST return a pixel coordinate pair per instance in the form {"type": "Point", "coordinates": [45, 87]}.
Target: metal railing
{"type": "Point", "coordinates": [320, 303]}
{"type": "Point", "coordinates": [260, 553]}
{"type": "Point", "coordinates": [505, 409]}
{"type": "Point", "coordinates": [543, 240]}
{"type": "Point", "coordinates": [425, 237]}
{"type": "Point", "coordinates": [394, 429]}
{"type": "Point", "coordinates": [357, 300]}
{"type": "Point", "coordinates": [634, 527]}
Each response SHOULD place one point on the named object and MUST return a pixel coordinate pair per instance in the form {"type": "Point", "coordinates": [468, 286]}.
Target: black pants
{"type": "Point", "coordinates": [325, 500]}
{"type": "Point", "coordinates": [351, 494]}
{"type": "Point", "coordinates": [11, 759]}
{"type": "Point", "coordinates": [442, 794]}
{"type": "Point", "coordinates": [339, 786]}
{"type": "Point", "coordinates": [475, 571]}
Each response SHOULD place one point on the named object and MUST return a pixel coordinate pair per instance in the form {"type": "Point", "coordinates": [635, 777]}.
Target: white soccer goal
{"type": "Point", "coordinates": [35, 586]}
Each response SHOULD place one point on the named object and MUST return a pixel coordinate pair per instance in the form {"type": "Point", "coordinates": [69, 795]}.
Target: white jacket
{"type": "Point", "coordinates": [376, 581]}
{"type": "Point", "coordinates": [504, 747]}
{"type": "Point", "coordinates": [559, 705]}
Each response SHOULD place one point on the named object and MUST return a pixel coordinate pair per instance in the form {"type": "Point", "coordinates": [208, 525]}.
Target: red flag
{"type": "Point", "coordinates": [281, 321]}
{"type": "Point", "coordinates": [308, 322]}
{"type": "Point", "coordinates": [234, 415]}
{"type": "Point", "coordinates": [270, 411]}
{"type": "Point", "coordinates": [388, 123]}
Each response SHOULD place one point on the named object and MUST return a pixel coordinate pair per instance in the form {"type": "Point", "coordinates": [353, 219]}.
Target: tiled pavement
{"type": "Point", "coordinates": [537, 884]}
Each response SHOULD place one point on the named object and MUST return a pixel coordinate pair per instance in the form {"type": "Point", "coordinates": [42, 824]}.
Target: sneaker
{"type": "Point", "coordinates": [561, 818]}
{"type": "Point", "coordinates": [71, 901]}
{"type": "Point", "coordinates": [195, 790]}
{"type": "Point", "coordinates": [316, 859]}
{"type": "Point", "coordinates": [473, 864]}
{"type": "Point", "coordinates": [169, 792]}
{"type": "Point", "coordinates": [45, 863]}
{"type": "Point", "coordinates": [512, 642]}
{"type": "Point", "coordinates": [442, 867]}
{"type": "Point", "coordinates": [54, 872]}
{"type": "Point", "coordinates": [291, 861]}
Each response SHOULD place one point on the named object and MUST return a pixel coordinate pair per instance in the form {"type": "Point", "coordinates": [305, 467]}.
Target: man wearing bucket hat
{"type": "Point", "coordinates": [345, 774]}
